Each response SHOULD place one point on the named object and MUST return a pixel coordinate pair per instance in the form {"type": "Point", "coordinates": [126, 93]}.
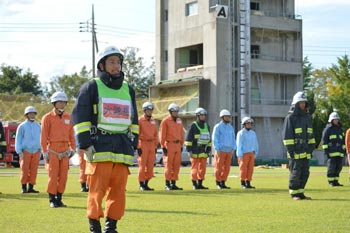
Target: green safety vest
{"type": "Point", "coordinates": [114, 115]}
{"type": "Point", "coordinates": [204, 135]}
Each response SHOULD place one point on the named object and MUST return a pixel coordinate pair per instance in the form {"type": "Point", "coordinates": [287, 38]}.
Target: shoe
{"type": "Point", "coordinates": [248, 186]}
{"type": "Point", "coordinates": [94, 226]}
{"type": "Point", "coordinates": [61, 204]}
{"type": "Point", "coordinates": [53, 204]}
{"type": "Point", "coordinates": [223, 185]}
{"type": "Point", "coordinates": [174, 187]}
{"type": "Point", "coordinates": [31, 189]}
{"type": "Point", "coordinates": [336, 183]}
{"type": "Point", "coordinates": [303, 197]}
{"type": "Point", "coordinates": [59, 200]}
{"type": "Point", "coordinates": [296, 198]}
{"type": "Point", "coordinates": [84, 188]}
{"type": "Point", "coordinates": [24, 188]}
{"type": "Point", "coordinates": [168, 187]}
{"type": "Point", "coordinates": [202, 187]}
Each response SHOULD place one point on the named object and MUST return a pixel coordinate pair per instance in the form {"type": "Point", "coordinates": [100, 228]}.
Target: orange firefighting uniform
{"type": "Point", "coordinates": [57, 136]}
{"type": "Point", "coordinates": [171, 134]}
{"type": "Point", "coordinates": [148, 141]}
{"type": "Point", "coordinates": [82, 166]}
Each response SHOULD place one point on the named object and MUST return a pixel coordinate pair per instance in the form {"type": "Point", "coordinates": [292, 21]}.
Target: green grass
{"type": "Point", "coordinates": [266, 209]}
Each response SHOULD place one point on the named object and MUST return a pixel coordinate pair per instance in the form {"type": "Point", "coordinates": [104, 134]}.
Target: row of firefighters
{"type": "Point", "coordinates": [104, 124]}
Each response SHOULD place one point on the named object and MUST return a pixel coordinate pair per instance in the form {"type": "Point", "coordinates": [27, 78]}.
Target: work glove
{"type": "Point", "coordinates": [165, 151]}
{"type": "Point", "coordinates": [89, 153]}
{"type": "Point", "coordinates": [71, 154]}
{"type": "Point", "coordinates": [139, 151]}
{"type": "Point", "coordinates": [21, 155]}
{"type": "Point", "coordinates": [46, 156]}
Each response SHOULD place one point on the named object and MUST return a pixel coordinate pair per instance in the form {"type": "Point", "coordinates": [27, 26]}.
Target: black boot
{"type": "Point", "coordinates": [59, 200]}
{"type": "Point", "coordinates": [148, 188]}
{"type": "Point", "coordinates": [174, 187]}
{"type": "Point", "coordinates": [218, 185]}
{"type": "Point", "coordinates": [53, 201]}
{"type": "Point", "coordinates": [200, 185]}
{"type": "Point", "coordinates": [24, 188]}
{"type": "Point", "coordinates": [84, 188]}
{"type": "Point", "coordinates": [331, 183]}
{"type": "Point", "coordinates": [110, 226]}
{"type": "Point", "coordinates": [31, 189]}
{"type": "Point", "coordinates": [243, 184]}
{"type": "Point", "coordinates": [194, 184]}
{"type": "Point", "coordinates": [95, 226]}
{"type": "Point", "coordinates": [167, 185]}
{"type": "Point", "coordinates": [247, 184]}
{"type": "Point", "coordinates": [336, 183]}
{"type": "Point", "coordinates": [142, 186]}
{"type": "Point", "coordinates": [223, 185]}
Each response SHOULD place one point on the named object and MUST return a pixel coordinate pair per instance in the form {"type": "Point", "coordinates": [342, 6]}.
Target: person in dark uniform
{"type": "Point", "coordinates": [299, 140]}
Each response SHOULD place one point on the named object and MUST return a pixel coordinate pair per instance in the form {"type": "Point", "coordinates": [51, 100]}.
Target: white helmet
{"type": "Point", "coordinates": [225, 112]}
{"type": "Point", "coordinates": [333, 116]}
{"type": "Point", "coordinates": [147, 105]}
{"type": "Point", "coordinates": [298, 97]}
{"type": "Point", "coordinates": [59, 96]}
{"type": "Point", "coordinates": [108, 51]}
{"type": "Point", "coordinates": [29, 109]}
{"type": "Point", "coordinates": [246, 120]}
{"type": "Point", "coordinates": [173, 107]}
{"type": "Point", "coordinates": [200, 111]}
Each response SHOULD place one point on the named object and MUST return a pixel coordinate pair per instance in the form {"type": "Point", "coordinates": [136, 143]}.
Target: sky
{"type": "Point", "coordinates": [43, 35]}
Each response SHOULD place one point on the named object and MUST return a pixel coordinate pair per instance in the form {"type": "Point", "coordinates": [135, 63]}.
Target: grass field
{"type": "Point", "coordinates": [268, 208]}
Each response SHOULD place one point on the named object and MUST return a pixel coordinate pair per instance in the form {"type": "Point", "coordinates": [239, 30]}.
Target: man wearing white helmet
{"type": "Point", "coordinates": [333, 144]}
{"type": "Point", "coordinates": [247, 150]}
{"type": "Point", "coordinates": [224, 142]}
{"type": "Point", "coordinates": [171, 136]}
{"type": "Point", "coordinates": [58, 145]}
{"type": "Point", "coordinates": [198, 143]}
{"type": "Point", "coordinates": [299, 140]}
{"type": "Point", "coordinates": [147, 146]}
{"type": "Point", "coordinates": [27, 145]}
{"type": "Point", "coordinates": [106, 125]}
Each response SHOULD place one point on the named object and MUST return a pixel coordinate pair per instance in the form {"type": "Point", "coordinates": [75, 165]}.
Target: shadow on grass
{"type": "Point", "coordinates": [167, 212]}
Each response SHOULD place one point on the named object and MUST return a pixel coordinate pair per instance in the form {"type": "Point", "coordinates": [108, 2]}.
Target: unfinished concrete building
{"type": "Point", "coordinates": [244, 56]}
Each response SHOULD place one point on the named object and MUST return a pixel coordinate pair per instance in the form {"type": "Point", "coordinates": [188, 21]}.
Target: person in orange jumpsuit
{"type": "Point", "coordinates": [147, 146]}
{"type": "Point", "coordinates": [171, 134]}
{"type": "Point", "coordinates": [82, 175]}
{"type": "Point", "coordinates": [106, 125]}
{"type": "Point", "coordinates": [27, 144]}
{"type": "Point", "coordinates": [57, 143]}
{"type": "Point", "coordinates": [198, 143]}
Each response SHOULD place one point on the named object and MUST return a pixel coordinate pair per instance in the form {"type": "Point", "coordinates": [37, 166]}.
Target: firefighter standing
{"type": "Point", "coordinates": [224, 144]}
{"type": "Point", "coordinates": [106, 123]}
{"type": "Point", "coordinates": [57, 144]}
{"type": "Point", "coordinates": [198, 143]}
{"type": "Point", "coordinates": [334, 147]}
{"type": "Point", "coordinates": [247, 150]}
{"type": "Point", "coordinates": [299, 140]}
{"type": "Point", "coordinates": [27, 144]}
{"type": "Point", "coordinates": [171, 134]}
{"type": "Point", "coordinates": [147, 146]}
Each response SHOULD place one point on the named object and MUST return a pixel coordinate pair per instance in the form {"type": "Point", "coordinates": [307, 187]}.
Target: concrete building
{"type": "Point", "coordinates": [244, 56]}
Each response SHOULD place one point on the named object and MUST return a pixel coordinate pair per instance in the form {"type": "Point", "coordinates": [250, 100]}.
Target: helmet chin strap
{"type": "Point", "coordinates": [60, 111]}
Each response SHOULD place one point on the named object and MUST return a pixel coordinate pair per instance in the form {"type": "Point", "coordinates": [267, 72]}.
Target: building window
{"type": "Point", "coordinates": [191, 8]}
{"type": "Point", "coordinates": [166, 56]}
{"type": "Point", "coordinates": [255, 6]}
{"type": "Point", "coordinates": [166, 16]}
{"type": "Point", "coordinates": [255, 51]}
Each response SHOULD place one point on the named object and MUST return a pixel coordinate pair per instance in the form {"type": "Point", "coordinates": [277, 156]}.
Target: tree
{"type": "Point", "coordinates": [69, 84]}
{"type": "Point", "coordinates": [137, 75]}
{"type": "Point", "coordinates": [13, 80]}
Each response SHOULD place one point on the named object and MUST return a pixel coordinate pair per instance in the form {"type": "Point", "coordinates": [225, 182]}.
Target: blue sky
{"type": "Point", "coordinates": [123, 23]}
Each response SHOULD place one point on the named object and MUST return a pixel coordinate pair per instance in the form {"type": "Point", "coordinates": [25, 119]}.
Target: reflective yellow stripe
{"type": "Point", "coordinates": [200, 155]}
{"type": "Point", "coordinates": [333, 136]}
{"type": "Point", "coordinates": [82, 127]}
{"type": "Point", "coordinates": [343, 147]}
{"type": "Point", "coordinates": [196, 136]}
{"type": "Point", "coordinates": [3, 143]}
{"type": "Point", "coordinates": [302, 156]}
{"type": "Point", "coordinates": [312, 141]}
{"type": "Point", "coordinates": [113, 157]}
{"type": "Point", "coordinates": [134, 128]}
{"type": "Point", "coordinates": [325, 146]}
{"type": "Point", "coordinates": [310, 130]}
{"type": "Point", "coordinates": [298, 130]}
{"type": "Point", "coordinates": [188, 143]}
{"type": "Point", "coordinates": [335, 154]}
{"type": "Point", "coordinates": [94, 108]}
{"type": "Point", "coordinates": [288, 142]}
